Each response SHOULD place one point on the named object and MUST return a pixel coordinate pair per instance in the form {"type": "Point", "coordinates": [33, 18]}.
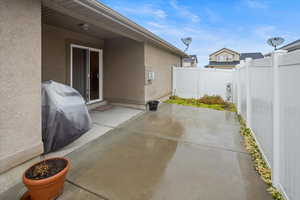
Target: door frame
{"type": "Point", "coordinates": [100, 51]}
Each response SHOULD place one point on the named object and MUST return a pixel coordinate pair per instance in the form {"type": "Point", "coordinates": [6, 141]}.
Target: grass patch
{"type": "Point", "coordinates": [212, 102]}
{"type": "Point", "coordinates": [260, 164]}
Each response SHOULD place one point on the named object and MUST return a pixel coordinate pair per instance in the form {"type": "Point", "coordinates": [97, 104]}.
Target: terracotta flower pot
{"type": "Point", "coordinates": [47, 188]}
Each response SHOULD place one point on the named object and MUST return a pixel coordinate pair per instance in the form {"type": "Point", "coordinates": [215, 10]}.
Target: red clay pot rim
{"type": "Point", "coordinates": [50, 179]}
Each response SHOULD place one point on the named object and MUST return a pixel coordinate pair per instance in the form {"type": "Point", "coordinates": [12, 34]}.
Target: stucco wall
{"type": "Point", "coordinates": [20, 81]}
{"type": "Point", "coordinates": [56, 51]}
{"type": "Point", "coordinates": [124, 71]}
{"type": "Point", "coordinates": [159, 61]}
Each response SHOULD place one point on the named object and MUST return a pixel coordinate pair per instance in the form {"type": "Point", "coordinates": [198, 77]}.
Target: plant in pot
{"type": "Point", "coordinates": [45, 180]}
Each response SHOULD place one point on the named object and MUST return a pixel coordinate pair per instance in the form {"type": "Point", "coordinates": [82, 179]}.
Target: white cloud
{"type": "Point", "coordinates": [199, 33]}
{"type": "Point", "coordinates": [160, 13]}
{"type": "Point", "coordinates": [212, 15]}
{"type": "Point", "coordinates": [256, 4]}
{"type": "Point", "coordinates": [145, 10]}
{"type": "Point", "coordinates": [156, 25]}
{"type": "Point", "coordinates": [268, 31]}
{"type": "Point", "coordinates": [265, 32]}
{"type": "Point", "coordinates": [184, 11]}
{"type": "Point", "coordinates": [206, 41]}
{"type": "Point", "coordinates": [168, 24]}
{"type": "Point", "coordinates": [165, 29]}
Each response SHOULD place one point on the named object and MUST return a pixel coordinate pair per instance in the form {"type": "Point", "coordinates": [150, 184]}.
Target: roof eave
{"type": "Point", "coordinates": [122, 20]}
{"type": "Point", "coordinates": [223, 49]}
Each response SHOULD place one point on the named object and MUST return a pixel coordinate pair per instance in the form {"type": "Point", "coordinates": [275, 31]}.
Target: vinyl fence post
{"type": "Point", "coordinates": [248, 92]}
{"type": "Point", "coordinates": [238, 88]}
{"type": "Point", "coordinates": [199, 86]}
{"type": "Point", "coordinates": [276, 117]}
{"type": "Point", "coordinates": [173, 80]}
{"type": "Point", "coordinates": [234, 86]}
{"type": "Point", "coordinates": [242, 65]}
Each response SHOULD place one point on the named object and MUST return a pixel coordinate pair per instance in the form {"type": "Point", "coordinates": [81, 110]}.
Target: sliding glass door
{"type": "Point", "coordinates": [86, 72]}
{"type": "Point", "coordinates": [80, 71]}
{"type": "Point", "coordinates": [94, 75]}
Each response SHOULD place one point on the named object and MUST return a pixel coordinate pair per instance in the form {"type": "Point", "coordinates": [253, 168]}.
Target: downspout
{"type": "Point", "coordinates": [181, 61]}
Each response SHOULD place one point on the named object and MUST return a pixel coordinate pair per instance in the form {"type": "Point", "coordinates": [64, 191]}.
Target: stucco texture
{"type": "Point", "coordinates": [125, 64]}
{"type": "Point", "coordinates": [56, 51]}
{"type": "Point", "coordinates": [159, 61]}
{"type": "Point", "coordinates": [124, 71]}
{"type": "Point", "coordinates": [20, 80]}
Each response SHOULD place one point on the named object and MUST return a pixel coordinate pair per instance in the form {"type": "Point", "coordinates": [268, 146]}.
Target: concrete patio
{"type": "Point", "coordinates": [103, 122]}
{"type": "Point", "coordinates": [174, 154]}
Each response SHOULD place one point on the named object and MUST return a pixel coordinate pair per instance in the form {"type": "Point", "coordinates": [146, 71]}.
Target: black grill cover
{"type": "Point", "coordinates": [65, 116]}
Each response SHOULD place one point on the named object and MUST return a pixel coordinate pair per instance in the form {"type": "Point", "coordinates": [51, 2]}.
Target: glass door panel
{"type": "Point", "coordinates": [79, 71]}
{"type": "Point", "coordinates": [94, 75]}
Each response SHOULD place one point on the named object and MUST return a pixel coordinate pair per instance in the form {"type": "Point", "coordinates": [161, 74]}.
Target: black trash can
{"type": "Point", "coordinates": [153, 105]}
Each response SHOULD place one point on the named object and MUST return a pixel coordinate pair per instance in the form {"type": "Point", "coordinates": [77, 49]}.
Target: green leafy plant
{"type": "Point", "coordinates": [260, 164]}
{"type": "Point", "coordinates": [275, 193]}
{"type": "Point", "coordinates": [229, 106]}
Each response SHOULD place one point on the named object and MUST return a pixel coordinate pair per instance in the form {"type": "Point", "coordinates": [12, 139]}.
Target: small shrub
{"type": "Point", "coordinates": [212, 100]}
{"type": "Point", "coordinates": [190, 101]}
{"type": "Point", "coordinates": [229, 106]}
{"type": "Point", "coordinates": [174, 97]}
{"type": "Point", "coordinates": [275, 193]}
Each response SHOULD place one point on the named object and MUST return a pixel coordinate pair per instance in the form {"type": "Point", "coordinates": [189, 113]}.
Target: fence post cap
{"type": "Point", "coordinates": [280, 51]}
{"type": "Point", "coordinates": [248, 59]}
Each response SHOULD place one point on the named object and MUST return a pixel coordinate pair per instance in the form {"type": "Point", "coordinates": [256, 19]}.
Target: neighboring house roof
{"type": "Point", "coordinates": [215, 63]}
{"type": "Point", "coordinates": [191, 58]}
{"type": "Point", "coordinates": [188, 59]}
{"type": "Point", "coordinates": [292, 46]}
{"type": "Point", "coordinates": [255, 55]}
{"type": "Point", "coordinates": [222, 50]}
{"type": "Point", "coordinates": [95, 10]}
{"type": "Point", "coordinates": [289, 47]}
{"type": "Point", "coordinates": [243, 56]}
{"type": "Point", "coordinates": [194, 57]}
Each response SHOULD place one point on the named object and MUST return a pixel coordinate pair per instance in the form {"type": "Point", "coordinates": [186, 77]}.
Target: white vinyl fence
{"type": "Point", "coordinates": [197, 82]}
{"type": "Point", "coordinates": [267, 95]}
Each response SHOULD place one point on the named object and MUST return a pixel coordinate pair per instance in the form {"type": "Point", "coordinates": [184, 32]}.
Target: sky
{"type": "Point", "coordinates": [241, 25]}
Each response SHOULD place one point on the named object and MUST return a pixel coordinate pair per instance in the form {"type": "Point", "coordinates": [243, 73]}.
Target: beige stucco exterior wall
{"type": "Point", "coordinates": [124, 71]}
{"type": "Point", "coordinates": [20, 81]}
{"type": "Point", "coordinates": [236, 57]}
{"type": "Point", "coordinates": [159, 61]}
{"type": "Point", "coordinates": [56, 51]}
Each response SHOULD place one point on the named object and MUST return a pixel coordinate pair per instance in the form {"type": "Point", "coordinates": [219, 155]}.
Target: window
{"type": "Point", "coordinates": [221, 58]}
{"type": "Point", "coordinates": [229, 58]}
{"type": "Point", "coordinates": [224, 58]}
